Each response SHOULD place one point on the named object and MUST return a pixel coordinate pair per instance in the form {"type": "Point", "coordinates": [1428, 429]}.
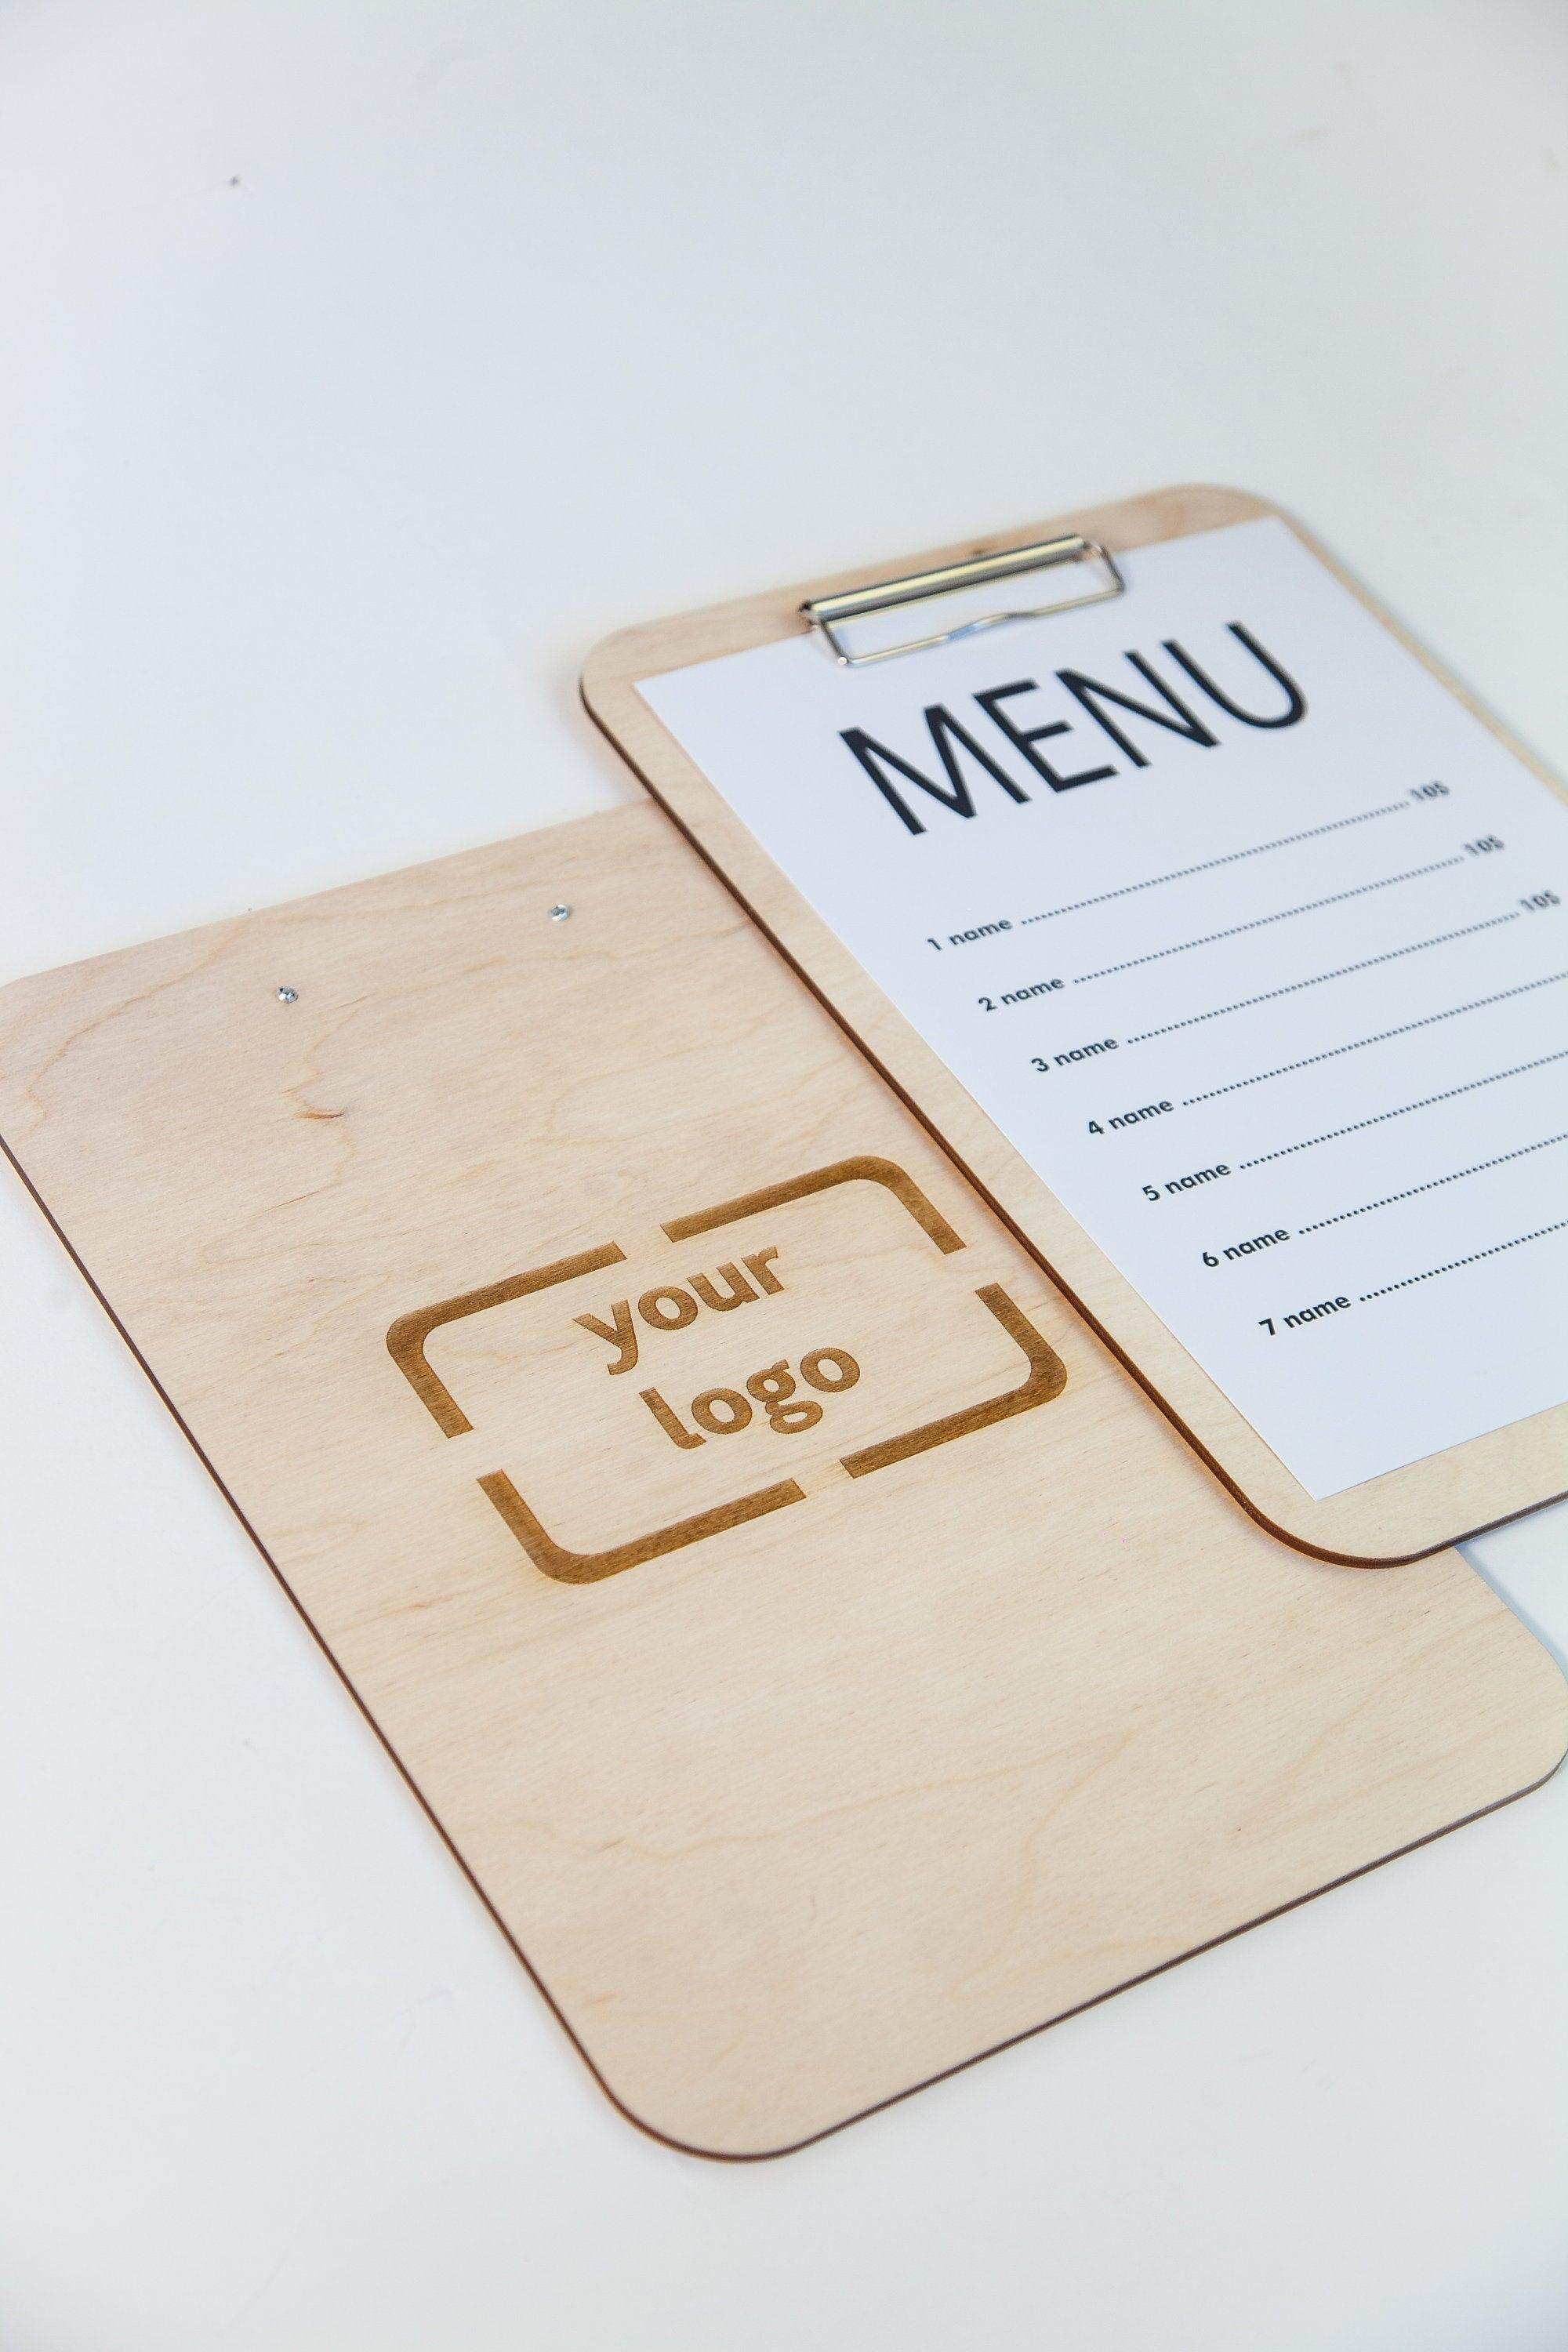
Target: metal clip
{"type": "Point", "coordinates": [830, 613]}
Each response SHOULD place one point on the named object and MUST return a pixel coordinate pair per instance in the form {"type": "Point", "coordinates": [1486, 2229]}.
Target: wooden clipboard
{"type": "Point", "coordinates": [824, 1662]}
{"type": "Point", "coordinates": [1394, 1518]}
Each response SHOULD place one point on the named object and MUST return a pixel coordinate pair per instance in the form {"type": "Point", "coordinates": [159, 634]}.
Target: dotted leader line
{"type": "Point", "coordinates": [1261, 922]}
{"type": "Point", "coordinates": [1473, 1259]}
{"type": "Point", "coordinates": [1286, 841]}
{"type": "Point", "coordinates": [1435, 1183]}
{"type": "Point", "coordinates": [1425, 1103]}
{"type": "Point", "coordinates": [1341, 971]}
{"type": "Point", "coordinates": [1381, 1038]}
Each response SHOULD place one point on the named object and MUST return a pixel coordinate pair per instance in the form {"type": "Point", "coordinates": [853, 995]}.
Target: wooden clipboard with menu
{"type": "Point", "coordinates": [827, 1663]}
{"type": "Point", "coordinates": [1218, 938]}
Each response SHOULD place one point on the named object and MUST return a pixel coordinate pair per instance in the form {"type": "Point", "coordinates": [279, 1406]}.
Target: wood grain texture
{"type": "Point", "coordinates": [798, 1813]}
{"type": "Point", "coordinates": [1396, 1518]}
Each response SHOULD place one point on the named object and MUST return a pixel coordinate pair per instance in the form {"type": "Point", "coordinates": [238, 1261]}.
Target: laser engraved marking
{"type": "Point", "coordinates": [771, 1398]}
{"type": "Point", "coordinates": [721, 1412]}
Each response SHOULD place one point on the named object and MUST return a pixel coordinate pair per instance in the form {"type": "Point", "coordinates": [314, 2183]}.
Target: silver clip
{"type": "Point", "coordinates": [830, 613]}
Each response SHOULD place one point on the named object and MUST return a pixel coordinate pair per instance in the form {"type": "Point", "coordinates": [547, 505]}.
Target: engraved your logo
{"type": "Point", "coordinates": [724, 1412]}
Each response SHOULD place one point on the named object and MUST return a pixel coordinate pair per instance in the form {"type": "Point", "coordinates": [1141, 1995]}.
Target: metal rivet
{"type": "Point", "coordinates": [287, 996]}
{"type": "Point", "coordinates": [559, 914]}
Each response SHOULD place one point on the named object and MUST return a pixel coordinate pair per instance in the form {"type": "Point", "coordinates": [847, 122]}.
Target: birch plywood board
{"type": "Point", "coordinates": [825, 1661]}
{"type": "Point", "coordinates": [1392, 1517]}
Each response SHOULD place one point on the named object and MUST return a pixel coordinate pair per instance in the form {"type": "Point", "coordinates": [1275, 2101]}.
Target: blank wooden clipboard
{"type": "Point", "coordinates": [1392, 1517]}
{"type": "Point", "coordinates": [825, 1662]}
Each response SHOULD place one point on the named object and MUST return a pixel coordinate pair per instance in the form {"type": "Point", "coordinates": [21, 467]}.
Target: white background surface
{"type": "Point", "coordinates": [362, 365]}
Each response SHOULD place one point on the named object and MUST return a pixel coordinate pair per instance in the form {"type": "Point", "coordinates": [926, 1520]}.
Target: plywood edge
{"type": "Point", "coordinates": [1547, 1750]}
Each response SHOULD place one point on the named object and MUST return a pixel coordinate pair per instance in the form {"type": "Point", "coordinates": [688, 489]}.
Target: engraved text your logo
{"type": "Point", "coordinates": [724, 1412]}
{"type": "Point", "coordinates": [785, 1396]}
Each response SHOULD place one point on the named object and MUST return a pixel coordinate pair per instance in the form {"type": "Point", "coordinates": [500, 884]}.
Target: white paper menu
{"type": "Point", "coordinates": [1251, 939]}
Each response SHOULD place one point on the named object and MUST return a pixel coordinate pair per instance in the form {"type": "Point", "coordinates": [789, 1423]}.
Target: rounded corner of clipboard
{"type": "Point", "coordinates": [1213, 505]}
{"type": "Point", "coordinates": [610, 667]}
